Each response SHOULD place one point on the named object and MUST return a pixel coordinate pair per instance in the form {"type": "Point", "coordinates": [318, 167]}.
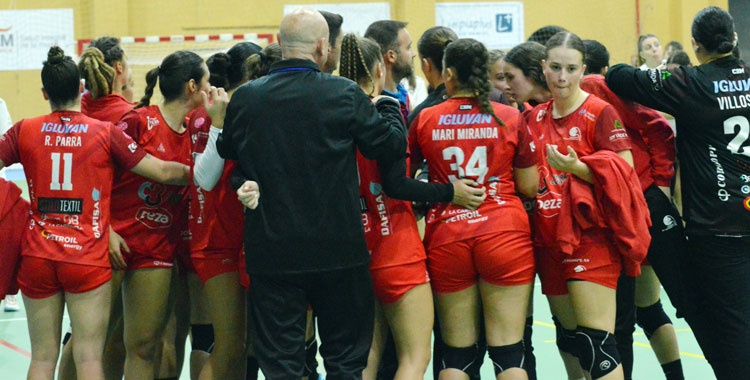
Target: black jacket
{"type": "Point", "coordinates": [711, 106]}
{"type": "Point", "coordinates": [295, 132]}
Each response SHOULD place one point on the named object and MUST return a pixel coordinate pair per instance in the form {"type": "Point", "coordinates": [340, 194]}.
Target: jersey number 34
{"type": "Point", "coordinates": [476, 167]}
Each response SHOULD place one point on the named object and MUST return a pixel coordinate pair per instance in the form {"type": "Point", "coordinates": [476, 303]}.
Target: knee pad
{"type": "Point", "coordinates": [202, 338]}
{"type": "Point", "coordinates": [566, 339]}
{"type": "Point", "coordinates": [311, 360]}
{"type": "Point", "coordinates": [650, 318]}
{"type": "Point", "coordinates": [66, 338]}
{"type": "Point", "coordinates": [507, 357]}
{"type": "Point", "coordinates": [460, 358]}
{"type": "Point", "coordinates": [598, 351]}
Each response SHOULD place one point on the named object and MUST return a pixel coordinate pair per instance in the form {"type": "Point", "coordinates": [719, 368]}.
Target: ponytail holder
{"type": "Point", "coordinates": [447, 43]}
{"type": "Point", "coordinates": [262, 56]}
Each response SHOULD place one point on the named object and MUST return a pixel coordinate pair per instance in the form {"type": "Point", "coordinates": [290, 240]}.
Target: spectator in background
{"type": "Point", "coordinates": [672, 47]}
{"type": "Point", "coordinates": [677, 59]}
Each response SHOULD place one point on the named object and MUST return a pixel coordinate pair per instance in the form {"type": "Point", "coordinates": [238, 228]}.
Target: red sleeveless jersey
{"type": "Point", "coordinates": [145, 213]}
{"type": "Point", "coordinates": [390, 226]}
{"type": "Point", "coordinates": [217, 221]}
{"type": "Point", "coordinates": [69, 160]}
{"type": "Point", "coordinates": [594, 126]}
{"type": "Point", "coordinates": [109, 108]}
{"type": "Point", "coordinates": [458, 141]}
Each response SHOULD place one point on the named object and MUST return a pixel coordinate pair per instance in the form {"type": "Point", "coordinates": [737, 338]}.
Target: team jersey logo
{"type": "Point", "coordinates": [154, 217]}
{"type": "Point", "coordinates": [151, 122]}
{"type": "Point", "coordinates": [574, 133]}
{"type": "Point", "coordinates": [70, 206]}
{"type": "Point", "coordinates": [746, 203]}
{"type": "Point", "coordinates": [152, 193]}
{"type": "Point", "coordinates": [618, 125]}
{"type": "Point", "coordinates": [540, 115]}
{"type": "Point", "coordinates": [199, 122]}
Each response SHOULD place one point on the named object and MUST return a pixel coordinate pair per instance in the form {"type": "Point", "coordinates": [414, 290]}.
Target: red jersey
{"type": "Point", "coordinates": [458, 141]}
{"type": "Point", "coordinates": [217, 220]}
{"type": "Point", "coordinates": [651, 136]}
{"type": "Point", "coordinates": [592, 127]}
{"type": "Point", "coordinates": [109, 108]}
{"type": "Point", "coordinates": [69, 160]}
{"type": "Point", "coordinates": [146, 213]}
{"type": "Point", "coordinates": [390, 226]}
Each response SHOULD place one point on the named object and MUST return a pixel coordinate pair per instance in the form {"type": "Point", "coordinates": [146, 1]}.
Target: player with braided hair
{"type": "Point", "coordinates": [109, 80]}
{"type": "Point", "coordinates": [485, 252]}
{"type": "Point", "coordinates": [397, 263]}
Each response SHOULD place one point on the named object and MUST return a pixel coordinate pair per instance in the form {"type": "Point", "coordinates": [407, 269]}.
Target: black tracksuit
{"type": "Point", "coordinates": [295, 132]}
{"type": "Point", "coordinates": [711, 104]}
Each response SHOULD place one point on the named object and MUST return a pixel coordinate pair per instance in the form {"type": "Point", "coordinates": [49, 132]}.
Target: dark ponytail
{"type": "Point", "coordinates": [358, 58]}
{"type": "Point", "coordinates": [433, 42]}
{"type": "Point", "coordinates": [228, 69]}
{"type": "Point", "coordinates": [713, 28]}
{"type": "Point", "coordinates": [471, 62]}
{"type": "Point", "coordinates": [528, 57]}
{"type": "Point", "coordinates": [259, 64]}
{"type": "Point", "coordinates": [174, 72]}
{"type": "Point", "coordinates": [60, 77]}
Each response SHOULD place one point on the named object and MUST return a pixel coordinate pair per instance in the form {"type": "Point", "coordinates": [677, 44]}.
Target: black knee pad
{"type": "Point", "coordinates": [566, 339]}
{"type": "Point", "coordinates": [202, 338]}
{"type": "Point", "coordinates": [460, 358]}
{"type": "Point", "coordinates": [650, 318]}
{"type": "Point", "coordinates": [598, 351]}
{"type": "Point", "coordinates": [66, 338]}
{"type": "Point", "coordinates": [311, 360]}
{"type": "Point", "coordinates": [507, 357]}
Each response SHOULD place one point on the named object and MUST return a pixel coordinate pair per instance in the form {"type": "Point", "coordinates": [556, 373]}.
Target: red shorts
{"type": "Point", "coordinates": [42, 278]}
{"type": "Point", "coordinates": [142, 261]}
{"type": "Point", "coordinates": [391, 283]}
{"type": "Point", "coordinates": [502, 259]}
{"type": "Point", "coordinates": [597, 263]}
{"type": "Point", "coordinates": [13, 223]}
{"type": "Point", "coordinates": [215, 263]}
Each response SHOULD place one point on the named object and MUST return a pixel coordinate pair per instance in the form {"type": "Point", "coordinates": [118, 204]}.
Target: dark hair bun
{"type": "Point", "coordinates": [55, 55]}
{"type": "Point", "coordinates": [725, 47]}
{"type": "Point", "coordinates": [219, 63]}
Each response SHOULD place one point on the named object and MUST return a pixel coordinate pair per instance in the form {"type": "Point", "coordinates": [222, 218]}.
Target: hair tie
{"type": "Point", "coordinates": [262, 56]}
{"type": "Point", "coordinates": [448, 42]}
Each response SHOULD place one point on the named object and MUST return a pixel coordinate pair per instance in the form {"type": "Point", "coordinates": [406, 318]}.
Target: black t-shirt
{"type": "Point", "coordinates": [711, 105]}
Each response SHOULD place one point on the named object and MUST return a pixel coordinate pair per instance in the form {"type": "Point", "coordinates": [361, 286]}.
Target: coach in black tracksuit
{"type": "Point", "coordinates": [295, 132]}
{"type": "Point", "coordinates": [711, 104]}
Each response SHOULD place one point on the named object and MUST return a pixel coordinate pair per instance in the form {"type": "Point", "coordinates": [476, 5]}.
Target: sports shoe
{"type": "Point", "coordinates": [11, 303]}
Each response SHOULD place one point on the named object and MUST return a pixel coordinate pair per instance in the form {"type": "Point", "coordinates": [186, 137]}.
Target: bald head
{"type": "Point", "coordinates": [304, 34]}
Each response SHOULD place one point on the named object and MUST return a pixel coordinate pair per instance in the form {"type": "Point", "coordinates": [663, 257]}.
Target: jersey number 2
{"type": "Point", "coordinates": [476, 167]}
{"type": "Point", "coordinates": [741, 137]}
{"type": "Point", "coordinates": [67, 184]}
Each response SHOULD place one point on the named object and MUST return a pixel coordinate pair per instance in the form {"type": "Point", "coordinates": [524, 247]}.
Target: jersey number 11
{"type": "Point", "coordinates": [67, 183]}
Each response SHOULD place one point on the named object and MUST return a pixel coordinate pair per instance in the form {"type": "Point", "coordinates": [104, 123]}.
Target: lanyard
{"type": "Point", "coordinates": [292, 69]}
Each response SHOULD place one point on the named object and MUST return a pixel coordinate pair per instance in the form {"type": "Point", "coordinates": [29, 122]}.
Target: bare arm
{"type": "Point", "coordinates": [167, 172]}
{"type": "Point", "coordinates": [527, 181]}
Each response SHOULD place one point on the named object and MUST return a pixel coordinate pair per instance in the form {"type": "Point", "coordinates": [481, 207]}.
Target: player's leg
{"type": "Point", "coordinates": [379, 336]}
{"type": "Point", "coordinates": [67, 368]}
{"type": "Point", "coordinates": [226, 308]}
{"type": "Point", "coordinates": [145, 300]}
{"type": "Point", "coordinates": [201, 330]}
{"type": "Point", "coordinates": [411, 319]}
{"type": "Point", "coordinates": [89, 316]}
{"type": "Point", "coordinates": [44, 317]}
{"type": "Point", "coordinates": [459, 325]}
{"type": "Point", "coordinates": [114, 347]}
{"type": "Point", "coordinates": [655, 322]}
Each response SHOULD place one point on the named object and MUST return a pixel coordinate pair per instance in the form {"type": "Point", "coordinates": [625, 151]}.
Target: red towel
{"type": "Point", "coordinates": [14, 216]}
{"type": "Point", "coordinates": [615, 202]}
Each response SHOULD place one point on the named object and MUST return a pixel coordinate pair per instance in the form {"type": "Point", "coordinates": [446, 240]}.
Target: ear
{"type": "Point", "coordinates": [583, 70]}
{"type": "Point", "coordinates": [192, 86]}
{"type": "Point", "coordinates": [544, 65]}
{"type": "Point", "coordinates": [448, 74]}
{"type": "Point", "coordinates": [696, 45]}
{"type": "Point", "coordinates": [390, 57]}
{"type": "Point", "coordinates": [379, 70]}
{"type": "Point", "coordinates": [44, 94]}
{"type": "Point", "coordinates": [426, 65]}
{"type": "Point", "coordinates": [81, 87]}
{"type": "Point", "coordinates": [119, 69]}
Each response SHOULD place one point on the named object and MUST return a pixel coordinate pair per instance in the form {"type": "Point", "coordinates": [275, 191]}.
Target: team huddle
{"type": "Point", "coordinates": [196, 216]}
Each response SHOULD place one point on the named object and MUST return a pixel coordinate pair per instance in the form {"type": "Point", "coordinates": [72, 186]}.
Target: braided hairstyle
{"type": "Point", "coordinates": [433, 42]}
{"type": "Point", "coordinates": [99, 75]}
{"type": "Point", "coordinates": [470, 61]}
{"type": "Point", "coordinates": [60, 77]}
{"type": "Point", "coordinates": [259, 64]}
{"type": "Point", "coordinates": [174, 72]}
{"type": "Point", "coordinates": [358, 58]}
